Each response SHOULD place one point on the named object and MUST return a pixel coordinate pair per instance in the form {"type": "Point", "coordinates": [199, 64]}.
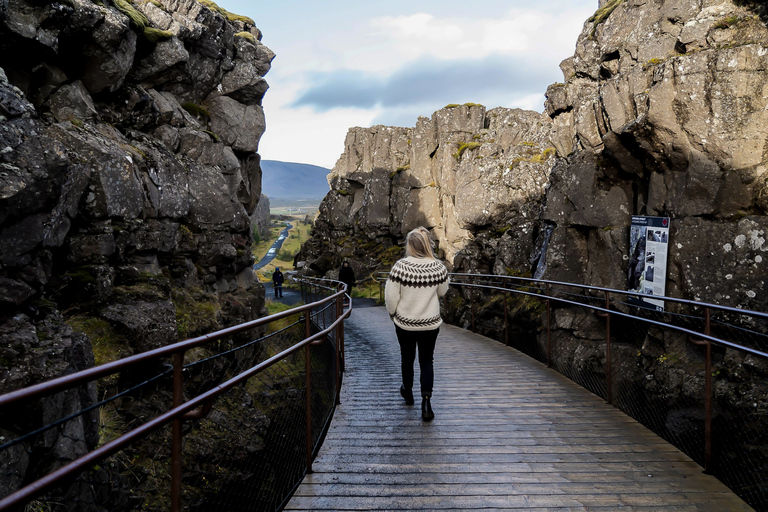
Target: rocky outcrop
{"type": "Point", "coordinates": [128, 139]}
{"type": "Point", "coordinates": [260, 217]}
{"type": "Point", "coordinates": [668, 98]}
{"type": "Point", "coordinates": [462, 171]}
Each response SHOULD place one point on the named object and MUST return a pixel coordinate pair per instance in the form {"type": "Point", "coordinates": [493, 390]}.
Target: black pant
{"type": "Point", "coordinates": [426, 342]}
{"type": "Point", "coordinates": [278, 289]}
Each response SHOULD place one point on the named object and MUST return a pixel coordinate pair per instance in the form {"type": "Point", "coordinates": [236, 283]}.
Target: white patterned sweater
{"type": "Point", "coordinates": [412, 293]}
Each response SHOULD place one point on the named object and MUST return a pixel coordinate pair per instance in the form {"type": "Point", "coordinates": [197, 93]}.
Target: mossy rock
{"type": "Point", "coordinates": [239, 17]}
{"type": "Point", "coordinates": [137, 18]}
{"type": "Point", "coordinates": [107, 344]}
{"type": "Point", "coordinates": [452, 105]}
{"type": "Point", "coordinates": [466, 146]}
{"type": "Point", "coordinates": [603, 14]}
{"type": "Point", "coordinates": [155, 35]}
{"type": "Point", "coordinates": [197, 111]}
{"type": "Point", "coordinates": [247, 36]}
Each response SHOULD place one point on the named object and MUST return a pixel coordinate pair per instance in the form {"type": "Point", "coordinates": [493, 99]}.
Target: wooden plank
{"type": "Point", "coordinates": [509, 434]}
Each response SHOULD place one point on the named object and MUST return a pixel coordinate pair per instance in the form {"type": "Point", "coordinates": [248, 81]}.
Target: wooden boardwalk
{"type": "Point", "coordinates": [508, 434]}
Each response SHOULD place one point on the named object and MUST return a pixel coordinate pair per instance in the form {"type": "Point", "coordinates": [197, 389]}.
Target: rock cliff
{"type": "Point", "coordinates": [128, 170]}
{"type": "Point", "coordinates": [662, 112]}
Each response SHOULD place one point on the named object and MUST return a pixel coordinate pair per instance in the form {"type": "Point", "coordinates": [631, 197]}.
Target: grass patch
{"type": "Point", "coordinates": [465, 147]}
{"type": "Point", "coordinates": [278, 307]}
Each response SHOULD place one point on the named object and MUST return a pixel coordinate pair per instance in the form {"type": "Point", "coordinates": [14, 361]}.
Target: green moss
{"type": "Point", "coordinates": [80, 275]}
{"type": "Point", "coordinates": [78, 123]}
{"type": "Point", "coordinates": [535, 159]}
{"type": "Point", "coordinates": [652, 62]}
{"type": "Point", "coordinates": [477, 136]}
{"type": "Point", "coordinates": [213, 135]}
{"type": "Point", "coordinates": [238, 17]}
{"type": "Point", "coordinates": [602, 14]}
{"type": "Point", "coordinates": [197, 111]}
{"type": "Point", "coordinates": [230, 16]}
{"type": "Point", "coordinates": [247, 35]}
{"type": "Point", "coordinates": [466, 146]}
{"type": "Point", "coordinates": [473, 105]}
{"type": "Point", "coordinates": [186, 234]}
{"type": "Point", "coordinates": [155, 35]}
{"type": "Point", "coordinates": [137, 18]}
{"type": "Point", "coordinates": [452, 105]}
{"type": "Point", "coordinates": [727, 22]}
{"type": "Point", "coordinates": [529, 144]}
{"type": "Point", "coordinates": [343, 192]}
{"type": "Point", "coordinates": [196, 313]}
{"type": "Point", "coordinates": [107, 344]}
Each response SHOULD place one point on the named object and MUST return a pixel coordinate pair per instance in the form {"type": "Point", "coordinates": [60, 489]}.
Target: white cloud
{"type": "Point", "coordinates": [519, 31]}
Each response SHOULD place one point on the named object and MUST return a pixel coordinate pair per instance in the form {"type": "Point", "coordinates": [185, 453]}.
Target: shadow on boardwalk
{"type": "Point", "coordinates": [508, 434]}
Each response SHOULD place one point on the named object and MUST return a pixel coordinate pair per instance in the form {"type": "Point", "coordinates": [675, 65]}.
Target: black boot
{"type": "Point", "coordinates": [426, 409]}
{"type": "Point", "coordinates": [407, 394]}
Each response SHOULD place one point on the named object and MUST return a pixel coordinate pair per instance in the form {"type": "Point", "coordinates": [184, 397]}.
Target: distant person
{"type": "Point", "coordinates": [347, 276]}
{"type": "Point", "coordinates": [413, 289]}
{"type": "Point", "coordinates": [277, 279]}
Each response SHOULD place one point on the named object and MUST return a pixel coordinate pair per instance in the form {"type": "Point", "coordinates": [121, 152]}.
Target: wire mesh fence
{"type": "Point", "coordinates": [654, 368]}
{"type": "Point", "coordinates": [244, 450]}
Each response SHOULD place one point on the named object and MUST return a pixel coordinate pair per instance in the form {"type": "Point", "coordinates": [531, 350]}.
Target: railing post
{"type": "Point", "coordinates": [308, 385]}
{"type": "Point", "coordinates": [472, 301]}
{"type": "Point", "coordinates": [608, 361]}
{"type": "Point", "coordinates": [708, 397]}
{"type": "Point", "coordinates": [506, 317]}
{"type": "Point", "coordinates": [176, 433]}
{"type": "Point", "coordinates": [339, 335]}
{"type": "Point", "coordinates": [549, 329]}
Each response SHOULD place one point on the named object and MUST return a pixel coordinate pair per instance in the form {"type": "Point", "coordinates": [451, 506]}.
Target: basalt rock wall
{"type": "Point", "coordinates": [464, 171]}
{"type": "Point", "coordinates": [128, 170]}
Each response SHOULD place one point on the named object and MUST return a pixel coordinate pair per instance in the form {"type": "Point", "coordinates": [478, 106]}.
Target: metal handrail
{"type": "Point", "coordinates": [544, 291]}
{"type": "Point", "coordinates": [180, 410]}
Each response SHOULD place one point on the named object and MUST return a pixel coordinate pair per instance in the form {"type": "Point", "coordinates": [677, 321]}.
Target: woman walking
{"type": "Point", "coordinates": [412, 297]}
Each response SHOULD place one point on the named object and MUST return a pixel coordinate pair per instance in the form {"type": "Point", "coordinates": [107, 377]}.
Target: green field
{"type": "Point", "coordinates": [291, 245]}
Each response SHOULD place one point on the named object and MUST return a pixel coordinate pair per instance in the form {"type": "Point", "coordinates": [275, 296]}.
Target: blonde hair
{"type": "Point", "coordinates": [418, 244]}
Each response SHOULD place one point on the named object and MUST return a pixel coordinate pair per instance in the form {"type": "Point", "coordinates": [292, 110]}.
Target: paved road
{"type": "Point", "coordinates": [272, 252]}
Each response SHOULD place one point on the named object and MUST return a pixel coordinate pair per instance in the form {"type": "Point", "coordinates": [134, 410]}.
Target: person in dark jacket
{"type": "Point", "coordinates": [277, 279]}
{"type": "Point", "coordinates": [347, 276]}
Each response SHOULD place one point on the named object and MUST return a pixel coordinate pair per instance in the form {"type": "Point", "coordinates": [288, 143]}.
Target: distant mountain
{"type": "Point", "coordinates": [288, 180]}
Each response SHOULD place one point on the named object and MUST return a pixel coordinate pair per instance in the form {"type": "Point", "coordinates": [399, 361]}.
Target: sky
{"type": "Point", "coordinates": [341, 64]}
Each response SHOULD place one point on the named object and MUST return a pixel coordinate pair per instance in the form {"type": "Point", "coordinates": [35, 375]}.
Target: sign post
{"type": "Point", "coordinates": [647, 275]}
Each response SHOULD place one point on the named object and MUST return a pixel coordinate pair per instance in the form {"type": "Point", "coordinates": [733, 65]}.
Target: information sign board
{"type": "Point", "coordinates": [647, 275]}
